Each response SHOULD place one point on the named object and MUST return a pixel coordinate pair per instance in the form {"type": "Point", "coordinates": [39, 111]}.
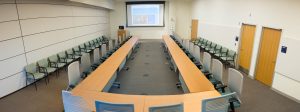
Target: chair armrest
{"type": "Point", "coordinates": [207, 75]}
{"type": "Point", "coordinates": [42, 69]}
{"type": "Point", "coordinates": [222, 87]}
{"type": "Point", "coordinates": [53, 64]}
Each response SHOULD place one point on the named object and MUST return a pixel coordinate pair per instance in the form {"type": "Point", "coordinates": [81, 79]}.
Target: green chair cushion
{"type": "Point", "coordinates": [36, 75]}
{"type": "Point", "coordinates": [50, 70]}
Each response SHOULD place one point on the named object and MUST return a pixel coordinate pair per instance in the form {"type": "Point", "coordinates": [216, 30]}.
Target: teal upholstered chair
{"type": "Point", "coordinates": [33, 74]}
{"type": "Point", "coordinates": [112, 107]}
{"type": "Point", "coordinates": [217, 104]}
{"type": "Point", "coordinates": [167, 108]}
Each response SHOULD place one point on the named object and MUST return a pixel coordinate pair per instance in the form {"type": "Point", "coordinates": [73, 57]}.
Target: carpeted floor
{"type": "Point", "coordinates": [148, 72]}
{"type": "Point", "coordinates": [256, 97]}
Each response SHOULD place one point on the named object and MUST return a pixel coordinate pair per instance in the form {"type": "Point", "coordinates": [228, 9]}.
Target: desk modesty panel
{"type": "Point", "coordinates": [98, 79]}
{"type": "Point", "coordinates": [194, 79]}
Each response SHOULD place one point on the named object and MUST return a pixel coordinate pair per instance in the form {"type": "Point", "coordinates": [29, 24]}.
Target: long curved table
{"type": "Point", "coordinates": [96, 85]}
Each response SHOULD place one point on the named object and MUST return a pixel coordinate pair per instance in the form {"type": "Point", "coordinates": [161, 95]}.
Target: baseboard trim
{"type": "Point", "coordinates": [251, 77]}
{"type": "Point", "coordinates": [286, 95]}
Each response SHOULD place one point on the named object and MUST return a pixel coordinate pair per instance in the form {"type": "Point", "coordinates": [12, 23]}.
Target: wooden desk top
{"type": "Point", "coordinates": [191, 101]}
{"type": "Point", "coordinates": [192, 76]}
{"type": "Point", "coordinates": [90, 89]}
{"type": "Point", "coordinates": [97, 80]}
{"type": "Point", "coordinates": [91, 96]}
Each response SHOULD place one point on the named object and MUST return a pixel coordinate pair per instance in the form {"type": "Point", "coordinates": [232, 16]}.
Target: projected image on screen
{"type": "Point", "coordinates": [145, 14]}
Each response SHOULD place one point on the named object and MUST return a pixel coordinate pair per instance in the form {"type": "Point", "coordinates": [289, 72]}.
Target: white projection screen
{"type": "Point", "coordinates": [145, 14]}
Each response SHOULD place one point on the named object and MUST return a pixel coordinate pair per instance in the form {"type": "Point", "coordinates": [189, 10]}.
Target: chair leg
{"type": "Point", "coordinates": [46, 80]}
{"type": "Point", "coordinates": [57, 73]}
{"type": "Point", "coordinates": [232, 107]}
{"type": "Point", "coordinates": [35, 86]}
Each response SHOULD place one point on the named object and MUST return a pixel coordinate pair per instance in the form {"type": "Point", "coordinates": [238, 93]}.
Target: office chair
{"type": "Point", "coordinates": [86, 64]}
{"type": "Point", "coordinates": [217, 104]}
{"type": "Point", "coordinates": [73, 103]}
{"type": "Point", "coordinates": [206, 64]}
{"type": "Point", "coordinates": [112, 107]}
{"type": "Point", "coordinates": [167, 108]}
{"type": "Point", "coordinates": [73, 75]}
{"type": "Point", "coordinates": [96, 57]}
{"type": "Point", "coordinates": [216, 76]}
{"type": "Point", "coordinates": [235, 84]}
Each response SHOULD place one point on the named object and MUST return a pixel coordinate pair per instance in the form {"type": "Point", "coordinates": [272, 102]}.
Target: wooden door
{"type": "Point", "coordinates": [194, 30]}
{"type": "Point", "coordinates": [245, 52]}
{"type": "Point", "coordinates": [267, 55]}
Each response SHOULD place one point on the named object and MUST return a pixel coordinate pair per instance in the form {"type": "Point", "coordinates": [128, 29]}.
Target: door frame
{"type": "Point", "coordinates": [259, 49]}
{"type": "Point", "coordinates": [240, 45]}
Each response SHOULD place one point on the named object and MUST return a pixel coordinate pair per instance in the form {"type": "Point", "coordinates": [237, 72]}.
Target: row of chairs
{"type": "Point", "coordinates": [213, 70]}
{"type": "Point", "coordinates": [222, 53]}
{"type": "Point", "coordinates": [53, 64]}
{"type": "Point", "coordinates": [75, 76]}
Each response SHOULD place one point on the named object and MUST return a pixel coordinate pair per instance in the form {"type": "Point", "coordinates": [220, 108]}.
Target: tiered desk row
{"type": "Point", "coordinates": [196, 86]}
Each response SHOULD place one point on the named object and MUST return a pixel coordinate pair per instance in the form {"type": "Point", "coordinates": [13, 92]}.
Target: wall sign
{"type": "Point", "coordinates": [283, 49]}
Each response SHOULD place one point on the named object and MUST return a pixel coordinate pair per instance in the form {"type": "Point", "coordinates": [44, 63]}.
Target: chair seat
{"type": "Point", "coordinates": [203, 70]}
{"type": "Point", "coordinates": [214, 81]}
{"type": "Point", "coordinates": [219, 54]}
{"type": "Point", "coordinates": [50, 70]}
{"type": "Point", "coordinates": [228, 91]}
{"type": "Point", "coordinates": [69, 60]}
{"type": "Point", "coordinates": [60, 65]}
{"type": "Point", "coordinates": [37, 75]}
{"type": "Point", "coordinates": [76, 57]}
{"type": "Point", "coordinates": [88, 71]}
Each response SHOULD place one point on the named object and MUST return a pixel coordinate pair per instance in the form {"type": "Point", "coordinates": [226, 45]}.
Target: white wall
{"type": "Point", "coordinates": [118, 17]}
{"type": "Point", "coordinates": [182, 12]}
{"type": "Point", "coordinates": [109, 4]}
{"type": "Point", "coordinates": [30, 32]}
{"type": "Point", "coordinates": [220, 21]}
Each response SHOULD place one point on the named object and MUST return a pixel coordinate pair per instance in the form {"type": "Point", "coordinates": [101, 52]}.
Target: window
{"type": "Point", "coordinates": [145, 13]}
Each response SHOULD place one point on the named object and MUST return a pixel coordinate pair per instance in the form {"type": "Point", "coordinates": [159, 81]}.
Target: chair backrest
{"type": "Point", "coordinates": [186, 44]}
{"type": "Point", "coordinates": [85, 61]}
{"type": "Point", "coordinates": [74, 73]}
{"type": "Point", "coordinates": [116, 43]}
{"type": "Point", "coordinates": [191, 48]}
{"type": "Point", "coordinates": [197, 53]}
{"type": "Point", "coordinates": [62, 54]}
{"type": "Point", "coordinates": [110, 45]}
{"type": "Point", "coordinates": [103, 49]}
{"type": "Point", "coordinates": [206, 61]}
{"type": "Point", "coordinates": [73, 103]}
{"type": "Point", "coordinates": [167, 108]}
{"type": "Point", "coordinates": [96, 55]}
{"type": "Point", "coordinates": [213, 45]}
{"type": "Point", "coordinates": [112, 107]}
{"type": "Point", "coordinates": [69, 51]}
{"type": "Point", "coordinates": [43, 62]}
{"type": "Point", "coordinates": [31, 68]}
{"type": "Point", "coordinates": [232, 54]}
{"type": "Point", "coordinates": [53, 58]}
{"type": "Point", "coordinates": [235, 81]}
{"type": "Point", "coordinates": [217, 104]}
{"type": "Point", "coordinates": [183, 43]}
{"type": "Point", "coordinates": [217, 70]}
